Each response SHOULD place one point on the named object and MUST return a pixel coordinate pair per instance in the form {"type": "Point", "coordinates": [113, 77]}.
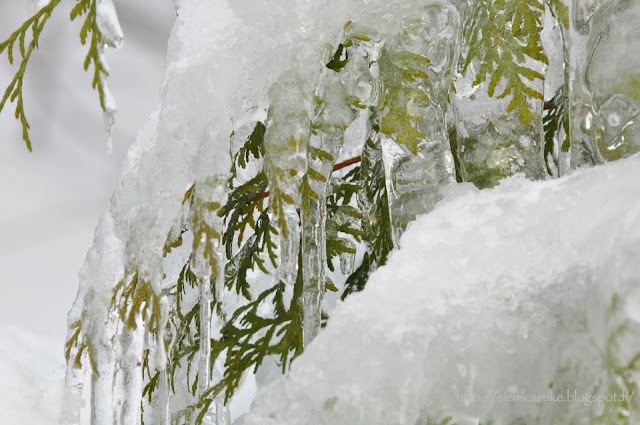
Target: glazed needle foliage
{"type": "Point", "coordinates": [24, 41]}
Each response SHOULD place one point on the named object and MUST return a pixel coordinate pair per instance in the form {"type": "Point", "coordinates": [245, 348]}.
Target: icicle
{"type": "Point", "coordinates": [100, 345]}
{"type": "Point", "coordinates": [202, 269]}
{"type": "Point", "coordinates": [109, 114]}
{"type": "Point", "coordinates": [207, 263]}
{"type": "Point", "coordinates": [497, 136]}
{"type": "Point", "coordinates": [160, 404]}
{"type": "Point", "coordinates": [604, 61]}
{"type": "Point", "coordinates": [582, 127]}
{"type": "Point", "coordinates": [223, 417]}
{"type": "Point", "coordinates": [108, 23]}
{"type": "Point", "coordinates": [74, 384]}
{"type": "Point", "coordinates": [331, 119]}
{"type": "Point", "coordinates": [286, 138]}
{"type": "Point", "coordinates": [416, 150]}
{"type": "Point", "coordinates": [132, 341]}
{"type": "Point", "coordinates": [348, 259]}
{"type": "Point", "coordinates": [113, 37]}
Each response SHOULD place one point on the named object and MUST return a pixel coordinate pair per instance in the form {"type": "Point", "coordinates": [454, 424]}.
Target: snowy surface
{"type": "Point", "coordinates": [493, 293]}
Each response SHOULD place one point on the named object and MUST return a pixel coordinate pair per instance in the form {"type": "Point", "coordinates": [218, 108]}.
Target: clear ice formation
{"type": "Point", "coordinates": [504, 261]}
{"type": "Point", "coordinates": [331, 118]}
{"type": "Point", "coordinates": [413, 178]}
{"type": "Point", "coordinates": [492, 140]}
{"type": "Point", "coordinates": [285, 146]}
{"type": "Point", "coordinates": [605, 58]}
{"type": "Point", "coordinates": [525, 295]}
{"type": "Point", "coordinates": [113, 37]}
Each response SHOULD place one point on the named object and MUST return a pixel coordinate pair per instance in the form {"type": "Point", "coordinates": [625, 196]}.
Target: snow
{"type": "Point", "coordinates": [495, 292]}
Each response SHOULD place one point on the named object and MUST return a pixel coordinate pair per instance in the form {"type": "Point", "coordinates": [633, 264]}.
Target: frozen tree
{"type": "Point", "coordinates": [221, 255]}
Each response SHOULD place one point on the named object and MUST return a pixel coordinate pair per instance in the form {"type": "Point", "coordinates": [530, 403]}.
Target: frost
{"type": "Point", "coordinates": [494, 293]}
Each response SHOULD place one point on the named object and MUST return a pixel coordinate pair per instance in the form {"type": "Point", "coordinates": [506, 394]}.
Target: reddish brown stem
{"type": "Point", "coordinates": [338, 166]}
{"type": "Point", "coordinates": [346, 163]}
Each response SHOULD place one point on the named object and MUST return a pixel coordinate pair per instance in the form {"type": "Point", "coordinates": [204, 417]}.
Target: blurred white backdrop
{"type": "Point", "coordinates": [51, 199]}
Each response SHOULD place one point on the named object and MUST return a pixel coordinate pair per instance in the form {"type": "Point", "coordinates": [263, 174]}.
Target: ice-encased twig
{"type": "Point", "coordinates": [109, 24]}
{"type": "Point", "coordinates": [101, 349]}
{"type": "Point", "coordinates": [331, 119]}
{"type": "Point", "coordinates": [285, 145]}
{"type": "Point", "coordinates": [132, 342]}
{"type": "Point", "coordinates": [113, 37]}
{"type": "Point", "coordinates": [417, 156]}
{"type": "Point", "coordinates": [72, 401]}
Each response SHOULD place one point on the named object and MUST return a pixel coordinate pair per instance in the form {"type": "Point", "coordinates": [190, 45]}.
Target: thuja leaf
{"type": "Point", "coordinates": [555, 119]}
{"type": "Point", "coordinates": [504, 37]}
{"type": "Point", "coordinates": [406, 84]}
{"type": "Point", "coordinates": [250, 336]}
{"type": "Point", "coordinates": [376, 224]}
{"type": "Point", "coordinates": [91, 31]}
{"type": "Point", "coordinates": [339, 60]}
{"type": "Point", "coordinates": [253, 147]}
{"type": "Point", "coordinates": [13, 92]}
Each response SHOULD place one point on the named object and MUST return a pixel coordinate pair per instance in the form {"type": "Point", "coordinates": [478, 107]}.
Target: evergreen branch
{"type": "Point", "coordinates": [556, 118]}
{"type": "Point", "coordinates": [138, 298]}
{"type": "Point", "coordinates": [406, 87]}
{"type": "Point", "coordinates": [254, 146]}
{"type": "Point", "coordinates": [502, 34]}
{"type": "Point", "coordinates": [250, 256]}
{"type": "Point", "coordinates": [94, 55]}
{"type": "Point", "coordinates": [376, 224]}
{"type": "Point", "coordinates": [14, 90]}
{"type": "Point", "coordinates": [338, 166]}
{"type": "Point", "coordinates": [248, 338]}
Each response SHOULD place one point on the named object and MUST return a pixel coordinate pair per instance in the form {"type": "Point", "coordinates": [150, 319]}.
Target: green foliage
{"type": "Point", "coordinates": [249, 337]}
{"type": "Point", "coordinates": [137, 297]}
{"type": "Point", "coordinates": [90, 30]}
{"type": "Point", "coordinates": [560, 11]}
{"type": "Point", "coordinates": [504, 37]}
{"type": "Point", "coordinates": [339, 59]}
{"type": "Point", "coordinates": [557, 118]}
{"type": "Point", "coordinates": [253, 147]}
{"type": "Point", "coordinates": [406, 87]}
{"type": "Point", "coordinates": [343, 217]}
{"type": "Point", "coordinates": [33, 28]}
{"type": "Point", "coordinates": [374, 203]}
{"type": "Point", "coordinates": [36, 24]}
{"type": "Point", "coordinates": [246, 212]}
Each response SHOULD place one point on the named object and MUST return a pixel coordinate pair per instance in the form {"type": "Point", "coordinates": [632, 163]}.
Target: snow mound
{"type": "Point", "coordinates": [500, 306]}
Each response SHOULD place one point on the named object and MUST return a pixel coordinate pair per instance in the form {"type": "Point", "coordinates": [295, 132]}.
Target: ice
{"type": "Point", "coordinates": [285, 145]}
{"type": "Point", "coordinates": [612, 78]}
{"type": "Point", "coordinates": [234, 64]}
{"type": "Point", "coordinates": [493, 139]}
{"type": "Point", "coordinates": [348, 259]}
{"type": "Point", "coordinates": [108, 23]}
{"type": "Point", "coordinates": [330, 119]}
{"type": "Point", "coordinates": [494, 294]}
